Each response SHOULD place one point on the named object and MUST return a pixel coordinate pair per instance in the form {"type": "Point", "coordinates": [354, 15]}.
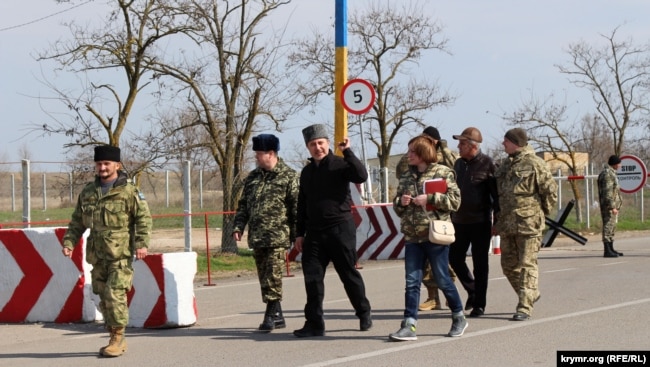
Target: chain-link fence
{"type": "Point", "coordinates": [52, 192]}
{"type": "Point", "coordinates": [58, 191]}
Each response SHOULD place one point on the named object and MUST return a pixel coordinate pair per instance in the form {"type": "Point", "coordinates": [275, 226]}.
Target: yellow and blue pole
{"type": "Point", "coordinates": [340, 70]}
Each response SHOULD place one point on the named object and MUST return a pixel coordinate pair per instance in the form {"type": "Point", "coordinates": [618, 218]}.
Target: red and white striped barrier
{"type": "Point", "coordinates": [378, 231]}
{"type": "Point", "coordinates": [39, 284]}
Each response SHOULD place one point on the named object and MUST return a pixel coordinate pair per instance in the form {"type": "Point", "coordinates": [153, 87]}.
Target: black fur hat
{"type": "Point", "coordinates": [107, 153]}
{"type": "Point", "coordinates": [266, 142]}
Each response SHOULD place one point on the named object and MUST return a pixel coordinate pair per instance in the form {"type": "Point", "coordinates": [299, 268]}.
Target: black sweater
{"type": "Point", "coordinates": [324, 196]}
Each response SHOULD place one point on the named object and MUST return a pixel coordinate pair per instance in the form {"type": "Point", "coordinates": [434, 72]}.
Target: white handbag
{"type": "Point", "coordinates": [441, 232]}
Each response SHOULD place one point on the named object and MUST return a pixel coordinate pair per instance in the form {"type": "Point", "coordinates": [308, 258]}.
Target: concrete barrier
{"type": "Point", "coordinates": [39, 284]}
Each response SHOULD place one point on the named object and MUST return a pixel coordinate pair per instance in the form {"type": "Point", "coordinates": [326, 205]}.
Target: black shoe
{"type": "Point", "coordinates": [609, 250]}
{"type": "Point", "coordinates": [278, 319]}
{"type": "Point", "coordinates": [279, 323]}
{"type": "Point", "coordinates": [365, 323]}
{"type": "Point", "coordinates": [308, 331]}
{"type": "Point", "coordinates": [268, 323]}
{"type": "Point", "coordinates": [611, 247]}
{"type": "Point", "coordinates": [470, 302]}
{"type": "Point", "coordinates": [520, 316]}
{"type": "Point", "coordinates": [477, 312]}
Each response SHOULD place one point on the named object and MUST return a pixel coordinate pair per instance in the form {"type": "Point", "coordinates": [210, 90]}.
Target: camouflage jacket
{"type": "Point", "coordinates": [414, 221]}
{"type": "Point", "coordinates": [609, 193]}
{"type": "Point", "coordinates": [445, 157]}
{"type": "Point", "coordinates": [268, 206]}
{"type": "Point", "coordinates": [527, 192]}
{"type": "Point", "coordinates": [119, 221]}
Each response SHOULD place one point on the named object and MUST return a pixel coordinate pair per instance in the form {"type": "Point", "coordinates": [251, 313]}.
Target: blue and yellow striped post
{"type": "Point", "coordinates": [340, 70]}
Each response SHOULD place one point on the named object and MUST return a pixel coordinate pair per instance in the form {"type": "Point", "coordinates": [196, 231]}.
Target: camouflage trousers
{"type": "Point", "coordinates": [269, 262]}
{"type": "Point", "coordinates": [429, 280]}
{"type": "Point", "coordinates": [519, 264]}
{"type": "Point", "coordinates": [609, 225]}
{"type": "Point", "coordinates": [111, 280]}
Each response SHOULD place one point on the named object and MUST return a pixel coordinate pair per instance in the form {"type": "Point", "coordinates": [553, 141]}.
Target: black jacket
{"type": "Point", "coordinates": [478, 190]}
{"type": "Point", "coordinates": [324, 195]}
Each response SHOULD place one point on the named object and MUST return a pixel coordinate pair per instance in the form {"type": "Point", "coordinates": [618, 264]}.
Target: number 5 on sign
{"type": "Point", "coordinates": [358, 96]}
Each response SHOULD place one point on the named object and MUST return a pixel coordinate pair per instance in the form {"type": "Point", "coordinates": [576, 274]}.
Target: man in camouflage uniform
{"type": "Point", "coordinates": [527, 193]}
{"type": "Point", "coordinates": [118, 217]}
{"type": "Point", "coordinates": [447, 158]}
{"type": "Point", "coordinates": [268, 206]}
{"type": "Point", "coordinates": [609, 197]}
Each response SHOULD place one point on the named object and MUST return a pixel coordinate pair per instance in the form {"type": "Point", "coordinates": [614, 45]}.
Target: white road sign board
{"type": "Point", "coordinates": [632, 174]}
{"type": "Point", "coordinates": [358, 96]}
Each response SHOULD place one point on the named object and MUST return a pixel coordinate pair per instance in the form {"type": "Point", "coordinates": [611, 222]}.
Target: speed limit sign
{"type": "Point", "coordinates": [358, 96]}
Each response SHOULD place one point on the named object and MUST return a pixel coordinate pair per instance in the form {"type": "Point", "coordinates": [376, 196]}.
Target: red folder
{"type": "Point", "coordinates": [433, 186]}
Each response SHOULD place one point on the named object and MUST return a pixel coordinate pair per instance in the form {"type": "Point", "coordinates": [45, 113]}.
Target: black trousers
{"type": "Point", "coordinates": [479, 236]}
{"type": "Point", "coordinates": [337, 245]}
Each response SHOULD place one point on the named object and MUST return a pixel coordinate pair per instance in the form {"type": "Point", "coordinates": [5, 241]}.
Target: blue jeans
{"type": "Point", "coordinates": [438, 255]}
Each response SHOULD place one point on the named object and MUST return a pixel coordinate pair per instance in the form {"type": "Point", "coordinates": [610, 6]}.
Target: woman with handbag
{"type": "Point", "coordinates": [417, 209]}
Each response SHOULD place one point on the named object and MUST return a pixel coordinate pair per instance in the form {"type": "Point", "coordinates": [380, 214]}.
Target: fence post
{"type": "Point", "coordinates": [642, 199]}
{"type": "Point", "coordinates": [559, 190]}
{"type": "Point", "coordinates": [187, 190]}
{"type": "Point", "coordinates": [167, 188]}
{"type": "Point", "coordinates": [201, 189]}
{"type": "Point", "coordinates": [71, 187]}
{"type": "Point", "coordinates": [44, 192]}
{"type": "Point", "coordinates": [27, 203]}
{"type": "Point", "coordinates": [13, 193]}
{"type": "Point", "coordinates": [587, 197]}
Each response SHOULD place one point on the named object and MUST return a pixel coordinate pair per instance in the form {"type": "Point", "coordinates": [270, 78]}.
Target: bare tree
{"type": "Point", "coordinates": [387, 43]}
{"type": "Point", "coordinates": [112, 60]}
{"type": "Point", "coordinates": [231, 86]}
{"type": "Point", "coordinates": [596, 140]}
{"type": "Point", "coordinates": [618, 77]}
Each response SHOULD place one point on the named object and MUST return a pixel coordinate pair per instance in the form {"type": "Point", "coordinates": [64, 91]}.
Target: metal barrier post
{"type": "Point", "coordinates": [207, 250]}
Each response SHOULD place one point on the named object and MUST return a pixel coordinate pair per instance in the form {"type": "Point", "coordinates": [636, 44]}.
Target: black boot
{"type": "Point", "coordinates": [608, 250]}
{"type": "Point", "coordinates": [268, 323]}
{"type": "Point", "coordinates": [611, 246]}
{"type": "Point", "coordinates": [278, 318]}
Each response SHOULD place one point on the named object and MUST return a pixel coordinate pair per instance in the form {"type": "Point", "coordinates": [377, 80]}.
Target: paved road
{"type": "Point", "coordinates": [588, 302]}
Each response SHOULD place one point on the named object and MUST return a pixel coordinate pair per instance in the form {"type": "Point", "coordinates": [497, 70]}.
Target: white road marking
{"type": "Point", "coordinates": [510, 326]}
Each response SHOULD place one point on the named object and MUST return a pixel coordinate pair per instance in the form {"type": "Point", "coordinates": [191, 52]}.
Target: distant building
{"type": "Point", "coordinates": [558, 164]}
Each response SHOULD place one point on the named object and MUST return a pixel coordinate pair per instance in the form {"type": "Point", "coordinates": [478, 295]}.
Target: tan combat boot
{"type": "Point", "coordinates": [432, 302]}
{"type": "Point", "coordinates": [117, 345]}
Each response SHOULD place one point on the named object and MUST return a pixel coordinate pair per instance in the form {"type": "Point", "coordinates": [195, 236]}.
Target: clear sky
{"type": "Point", "coordinates": [502, 49]}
